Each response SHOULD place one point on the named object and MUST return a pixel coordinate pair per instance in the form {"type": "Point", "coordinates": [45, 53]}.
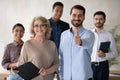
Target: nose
{"type": "Point", "coordinates": [76, 17]}
{"type": "Point", "coordinates": [20, 32]}
{"type": "Point", "coordinates": [98, 20]}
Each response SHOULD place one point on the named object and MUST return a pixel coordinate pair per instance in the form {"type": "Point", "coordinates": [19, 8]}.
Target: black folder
{"type": "Point", "coordinates": [28, 71]}
{"type": "Point", "coordinates": [105, 46]}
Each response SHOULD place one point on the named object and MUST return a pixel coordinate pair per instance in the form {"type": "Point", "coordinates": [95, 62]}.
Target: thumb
{"type": "Point", "coordinates": [76, 34]}
{"type": "Point", "coordinates": [40, 70]}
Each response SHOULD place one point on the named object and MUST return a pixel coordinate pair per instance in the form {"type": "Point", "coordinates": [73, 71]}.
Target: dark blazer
{"type": "Point", "coordinates": [64, 26]}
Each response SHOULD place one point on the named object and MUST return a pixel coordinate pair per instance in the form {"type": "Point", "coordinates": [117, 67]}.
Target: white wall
{"type": "Point", "coordinates": [23, 11]}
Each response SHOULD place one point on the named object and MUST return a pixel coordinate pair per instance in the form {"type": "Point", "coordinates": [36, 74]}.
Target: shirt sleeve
{"type": "Point", "coordinates": [61, 63]}
{"type": "Point", "coordinates": [23, 55]}
{"type": "Point", "coordinates": [88, 39]}
{"type": "Point", "coordinates": [56, 61]}
{"type": "Point", "coordinates": [6, 58]}
{"type": "Point", "coordinates": [113, 50]}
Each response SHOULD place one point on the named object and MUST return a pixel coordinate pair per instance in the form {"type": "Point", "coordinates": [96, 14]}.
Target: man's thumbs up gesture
{"type": "Point", "coordinates": [77, 39]}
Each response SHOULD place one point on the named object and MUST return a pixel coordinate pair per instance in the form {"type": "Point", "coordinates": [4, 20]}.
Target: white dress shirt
{"type": "Point", "coordinates": [103, 36]}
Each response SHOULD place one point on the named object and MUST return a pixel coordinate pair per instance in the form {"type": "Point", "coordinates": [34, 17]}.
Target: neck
{"type": "Point", "coordinates": [39, 39]}
{"type": "Point", "coordinates": [18, 41]}
{"type": "Point", "coordinates": [75, 29]}
{"type": "Point", "coordinates": [55, 20]}
{"type": "Point", "coordinates": [98, 29]}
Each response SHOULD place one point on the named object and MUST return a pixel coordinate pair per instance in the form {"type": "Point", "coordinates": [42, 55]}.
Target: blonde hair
{"type": "Point", "coordinates": [43, 20]}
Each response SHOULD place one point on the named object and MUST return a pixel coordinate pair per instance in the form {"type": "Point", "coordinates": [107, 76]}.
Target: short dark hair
{"type": "Point", "coordinates": [58, 4]}
{"type": "Point", "coordinates": [18, 24]}
{"type": "Point", "coordinates": [100, 13]}
{"type": "Point", "coordinates": [80, 7]}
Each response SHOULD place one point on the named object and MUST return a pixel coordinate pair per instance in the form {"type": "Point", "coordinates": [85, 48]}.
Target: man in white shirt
{"type": "Point", "coordinates": [99, 58]}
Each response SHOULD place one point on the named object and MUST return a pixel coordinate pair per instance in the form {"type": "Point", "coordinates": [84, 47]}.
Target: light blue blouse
{"type": "Point", "coordinates": [75, 60]}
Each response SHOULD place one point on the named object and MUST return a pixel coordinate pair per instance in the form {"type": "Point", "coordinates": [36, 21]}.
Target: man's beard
{"type": "Point", "coordinates": [98, 25]}
{"type": "Point", "coordinates": [76, 23]}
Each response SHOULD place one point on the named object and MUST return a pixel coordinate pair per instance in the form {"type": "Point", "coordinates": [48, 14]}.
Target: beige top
{"type": "Point", "coordinates": [42, 55]}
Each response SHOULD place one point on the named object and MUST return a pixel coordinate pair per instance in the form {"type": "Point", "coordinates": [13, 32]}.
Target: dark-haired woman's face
{"type": "Point", "coordinates": [18, 33]}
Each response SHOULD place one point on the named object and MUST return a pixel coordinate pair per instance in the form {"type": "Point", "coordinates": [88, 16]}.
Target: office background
{"type": "Point", "coordinates": [23, 11]}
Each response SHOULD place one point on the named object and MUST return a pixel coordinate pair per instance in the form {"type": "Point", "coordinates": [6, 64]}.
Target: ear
{"type": "Point", "coordinates": [105, 21]}
{"type": "Point", "coordinates": [83, 17]}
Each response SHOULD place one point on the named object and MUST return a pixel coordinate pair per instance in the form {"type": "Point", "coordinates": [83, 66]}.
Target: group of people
{"type": "Point", "coordinates": [72, 52]}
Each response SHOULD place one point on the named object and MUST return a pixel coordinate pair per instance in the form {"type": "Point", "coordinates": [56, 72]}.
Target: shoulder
{"type": "Point", "coordinates": [28, 42]}
{"type": "Point", "coordinates": [64, 23]}
{"type": "Point", "coordinates": [108, 33]}
{"type": "Point", "coordinates": [88, 32]}
{"type": "Point", "coordinates": [51, 43]}
{"type": "Point", "coordinates": [65, 33]}
{"type": "Point", "coordinates": [10, 45]}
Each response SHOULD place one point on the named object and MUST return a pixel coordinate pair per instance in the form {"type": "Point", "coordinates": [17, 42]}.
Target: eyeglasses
{"type": "Point", "coordinates": [41, 26]}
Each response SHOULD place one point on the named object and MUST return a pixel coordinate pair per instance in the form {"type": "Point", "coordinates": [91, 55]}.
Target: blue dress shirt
{"type": "Point", "coordinates": [75, 60]}
{"type": "Point", "coordinates": [57, 29]}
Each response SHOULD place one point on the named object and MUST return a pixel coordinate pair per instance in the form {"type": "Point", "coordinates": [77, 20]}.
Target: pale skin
{"type": "Point", "coordinates": [77, 17]}
{"type": "Point", "coordinates": [100, 53]}
{"type": "Point", "coordinates": [99, 22]}
{"type": "Point", "coordinates": [77, 39]}
{"type": "Point", "coordinates": [40, 38]}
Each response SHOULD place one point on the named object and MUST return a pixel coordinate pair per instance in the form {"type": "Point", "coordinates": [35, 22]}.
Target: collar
{"type": "Point", "coordinates": [101, 31]}
{"type": "Point", "coordinates": [16, 44]}
{"type": "Point", "coordinates": [80, 29]}
{"type": "Point", "coordinates": [54, 21]}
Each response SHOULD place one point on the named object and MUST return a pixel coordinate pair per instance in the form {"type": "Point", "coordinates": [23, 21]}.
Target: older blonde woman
{"type": "Point", "coordinates": [40, 50]}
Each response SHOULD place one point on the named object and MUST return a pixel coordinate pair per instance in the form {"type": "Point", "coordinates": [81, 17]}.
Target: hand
{"type": "Point", "coordinates": [15, 71]}
{"type": "Point", "coordinates": [12, 65]}
{"type": "Point", "coordinates": [43, 72]}
{"type": "Point", "coordinates": [77, 39]}
{"type": "Point", "coordinates": [100, 54]}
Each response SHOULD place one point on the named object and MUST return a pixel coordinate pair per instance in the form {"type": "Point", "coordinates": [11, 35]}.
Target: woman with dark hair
{"type": "Point", "coordinates": [12, 51]}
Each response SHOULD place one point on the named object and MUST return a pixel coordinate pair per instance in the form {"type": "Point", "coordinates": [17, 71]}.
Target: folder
{"type": "Point", "coordinates": [105, 46]}
{"type": "Point", "coordinates": [27, 71]}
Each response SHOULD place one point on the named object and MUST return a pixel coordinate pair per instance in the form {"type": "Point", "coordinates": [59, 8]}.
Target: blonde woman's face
{"type": "Point", "coordinates": [39, 28]}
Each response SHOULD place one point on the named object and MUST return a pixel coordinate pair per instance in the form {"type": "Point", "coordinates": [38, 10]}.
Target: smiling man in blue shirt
{"type": "Point", "coordinates": [75, 48]}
